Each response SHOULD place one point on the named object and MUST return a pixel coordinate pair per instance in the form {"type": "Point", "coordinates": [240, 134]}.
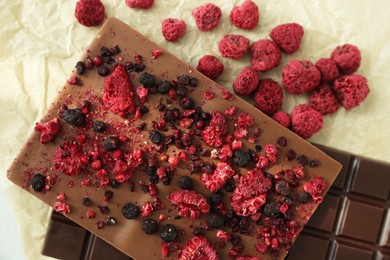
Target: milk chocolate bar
{"type": "Point", "coordinates": [141, 149]}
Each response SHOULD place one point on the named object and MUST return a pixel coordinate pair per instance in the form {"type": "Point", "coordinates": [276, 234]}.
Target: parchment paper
{"type": "Point", "coordinates": [41, 41]}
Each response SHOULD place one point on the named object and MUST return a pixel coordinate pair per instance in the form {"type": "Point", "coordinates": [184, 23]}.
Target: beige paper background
{"type": "Point", "coordinates": [41, 41]}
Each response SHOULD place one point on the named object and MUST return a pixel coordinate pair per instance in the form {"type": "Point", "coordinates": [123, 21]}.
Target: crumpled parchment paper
{"type": "Point", "coordinates": [41, 41]}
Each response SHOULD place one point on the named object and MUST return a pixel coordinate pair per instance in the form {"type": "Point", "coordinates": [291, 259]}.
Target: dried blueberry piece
{"type": "Point", "coordinates": [150, 170]}
{"type": "Point", "coordinates": [73, 116]}
{"type": "Point", "coordinates": [111, 143]}
{"type": "Point", "coordinates": [108, 195]}
{"type": "Point", "coordinates": [258, 148]}
{"type": "Point", "coordinates": [110, 221]}
{"type": "Point", "coordinates": [183, 80]}
{"type": "Point", "coordinates": [314, 163]}
{"type": "Point", "coordinates": [168, 233]}
{"type": "Point", "coordinates": [109, 60]}
{"type": "Point", "coordinates": [147, 80]}
{"type": "Point", "coordinates": [99, 126]}
{"type": "Point", "coordinates": [216, 220]}
{"type": "Point", "coordinates": [282, 187]}
{"type": "Point", "coordinates": [104, 51]}
{"type": "Point", "coordinates": [241, 158]}
{"type": "Point", "coordinates": [186, 103]}
{"type": "Point", "coordinates": [271, 209]}
{"type": "Point", "coordinates": [230, 185]}
{"type": "Point", "coordinates": [291, 154]}
{"type": "Point", "coordinates": [149, 226]}
{"type": "Point", "coordinates": [86, 201]}
{"type": "Point", "coordinates": [38, 182]}
{"type": "Point", "coordinates": [103, 71]}
{"type": "Point", "coordinates": [129, 66]}
{"type": "Point", "coordinates": [138, 67]}
{"type": "Point", "coordinates": [216, 198]}
{"type": "Point", "coordinates": [185, 183]}
{"type": "Point", "coordinates": [282, 141]}
{"type": "Point", "coordinates": [116, 50]}
{"type": "Point", "coordinates": [303, 197]}
{"type": "Point", "coordinates": [182, 91]}
{"type": "Point", "coordinates": [141, 126]}
{"type": "Point", "coordinates": [198, 231]}
{"type": "Point", "coordinates": [193, 82]}
{"type": "Point", "coordinates": [154, 179]}
{"type": "Point", "coordinates": [114, 184]}
{"type": "Point", "coordinates": [130, 211]}
{"type": "Point", "coordinates": [144, 109]}
{"type": "Point", "coordinates": [164, 87]}
{"type": "Point", "coordinates": [80, 67]}
{"type": "Point", "coordinates": [303, 159]}
{"type": "Point", "coordinates": [205, 116]}
{"type": "Point", "coordinates": [104, 209]}
{"type": "Point", "coordinates": [166, 180]}
{"type": "Point", "coordinates": [156, 137]}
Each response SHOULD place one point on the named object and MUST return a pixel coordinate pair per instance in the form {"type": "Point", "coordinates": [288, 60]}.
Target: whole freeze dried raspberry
{"type": "Point", "coordinates": [347, 58]}
{"type": "Point", "coordinates": [288, 36]}
{"type": "Point", "coordinates": [198, 248]}
{"type": "Point", "coordinates": [173, 29]}
{"type": "Point", "coordinates": [210, 66]}
{"type": "Point", "coordinates": [245, 16]}
{"type": "Point", "coordinates": [323, 100]}
{"type": "Point", "coordinates": [246, 82]}
{"type": "Point", "coordinates": [265, 55]}
{"type": "Point", "coordinates": [315, 187]}
{"type": "Point", "coordinates": [213, 134]}
{"type": "Point", "coordinates": [89, 12]}
{"type": "Point", "coordinates": [282, 118]}
{"type": "Point", "coordinates": [251, 193]}
{"type": "Point", "coordinates": [207, 16]}
{"type": "Point", "coordinates": [233, 46]}
{"type": "Point", "coordinates": [48, 130]}
{"type": "Point", "coordinates": [142, 4]}
{"type": "Point", "coordinates": [351, 90]}
{"type": "Point", "coordinates": [306, 121]}
{"type": "Point", "coordinates": [328, 69]}
{"type": "Point", "coordinates": [299, 76]}
{"type": "Point", "coordinates": [268, 96]}
{"type": "Point", "coordinates": [218, 178]}
{"type": "Point", "coordinates": [189, 203]}
{"type": "Point", "coordinates": [118, 93]}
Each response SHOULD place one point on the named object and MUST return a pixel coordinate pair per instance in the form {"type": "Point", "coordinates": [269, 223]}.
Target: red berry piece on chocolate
{"type": "Point", "coordinates": [233, 46]}
{"type": "Point", "coordinates": [150, 226]}
{"type": "Point", "coordinates": [288, 36]}
{"type": "Point", "coordinates": [185, 183]}
{"type": "Point", "coordinates": [351, 90]}
{"type": "Point", "coordinates": [142, 4]}
{"type": "Point", "coordinates": [198, 248]}
{"type": "Point", "coordinates": [347, 58]}
{"type": "Point", "coordinates": [299, 76]}
{"type": "Point", "coordinates": [111, 143]}
{"type": "Point", "coordinates": [73, 116]}
{"type": "Point", "coordinates": [168, 233]}
{"type": "Point", "coordinates": [246, 82]}
{"type": "Point", "coordinates": [268, 96]}
{"type": "Point", "coordinates": [265, 55]}
{"type": "Point", "coordinates": [245, 16]}
{"type": "Point", "coordinates": [99, 126]}
{"type": "Point", "coordinates": [130, 211]}
{"type": "Point", "coordinates": [207, 16]}
{"type": "Point", "coordinates": [38, 182]}
{"type": "Point", "coordinates": [189, 203]}
{"type": "Point", "coordinates": [306, 121]}
{"type": "Point", "coordinates": [89, 12]}
{"type": "Point", "coordinates": [328, 69]}
{"type": "Point", "coordinates": [173, 29]}
{"type": "Point", "coordinates": [210, 66]}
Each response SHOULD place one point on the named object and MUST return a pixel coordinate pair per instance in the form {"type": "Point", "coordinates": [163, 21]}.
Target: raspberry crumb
{"type": "Point", "coordinates": [315, 187]}
{"type": "Point", "coordinates": [209, 95]}
{"type": "Point", "coordinates": [48, 130]}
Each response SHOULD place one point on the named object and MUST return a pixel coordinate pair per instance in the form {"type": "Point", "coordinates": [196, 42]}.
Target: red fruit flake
{"type": "Point", "coordinates": [156, 53]}
{"type": "Point", "coordinates": [146, 209]}
{"type": "Point", "coordinates": [142, 93]}
{"type": "Point", "coordinates": [315, 187]}
{"type": "Point", "coordinates": [118, 93]}
{"type": "Point", "coordinates": [189, 203]}
{"type": "Point", "coordinates": [223, 235]}
{"type": "Point", "coordinates": [271, 151]}
{"type": "Point", "coordinates": [218, 178]}
{"type": "Point", "coordinates": [198, 248]}
{"type": "Point", "coordinates": [61, 207]}
{"type": "Point", "coordinates": [69, 159]}
{"type": "Point", "coordinates": [208, 95]}
{"type": "Point", "coordinates": [91, 213]}
{"type": "Point", "coordinates": [245, 120]}
{"type": "Point", "coordinates": [74, 81]}
{"type": "Point", "coordinates": [213, 134]}
{"type": "Point", "coordinates": [186, 122]}
{"type": "Point", "coordinates": [48, 130]}
{"type": "Point", "coordinates": [164, 249]}
{"type": "Point", "coordinates": [231, 110]}
{"type": "Point", "coordinates": [299, 171]}
{"type": "Point", "coordinates": [89, 12]}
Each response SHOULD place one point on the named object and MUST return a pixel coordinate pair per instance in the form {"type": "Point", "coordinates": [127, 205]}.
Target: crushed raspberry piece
{"type": "Point", "coordinates": [142, 93]}
{"type": "Point", "coordinates": [251, 193]}
{"type": "Point", "coordinates": [48, 130]}
{"type": "Point", "coordinates": [299, 76]}
{"type": "Point", "coordinates": [142, 4]}
{"type": "Point", "coordinates": [146, 209]}
{"type": "Point", "coordinates": [351, 90]}
{"type": "Point", "coordinates": [173, 29]}
{"type": "Point", "coordinates": [315, 187]}
{"type": "Point", "coordinates": [236, 145]}
{"type": "Point", "coordinates": [164, 249]}
{"type": "Point", "coordinates": [61, 197]}
{"type": "Point", "coordinates": [210, 66]}
{"type": "Point", "coordinates": [173, 161]}
{"type": "Point", "coordinates": [189, 203]}
{"type": "Point", "coordinates": [186, 122]}
{"type": "Point", "coordinates": [265, 55]}
{"type": "Point", "coordinates": [156, 53]}
{"type": "Point", "coordinates": [218, 178]}
{"type": "Point", "coordinates": [328, 69]}
{"type": "Point", "coordinates": [288, 36]}
{"type": "Point", "coordinates": [153, 190]}
{"type": "Point", "coordinates": [244, 120]}
{"type": "Point", "coordinates": [89, 12]}
{"type": "Point", "coordinates": [282, 118]}
{"type": "Point", "coordinates": [223, 235]}
{"type": "Point", "coordinates": [306, 121]}
{"type": "Point", "coordinates": [198, 248]}
{"type": "Point", "coordinates": [69, 159]}
{"type": "Point", "coordinates": [74, 81]}
{"type": "Point", "coordinates": [246, 82]}
{"type": "Point", "coordinates": [347, 58]}
{"type": "Point", "coordinates": [91, 213]}
{"type": "Point", "coordinates": [118, 93]}
{"type": "Point", "coordinates": [208, 95]}
{"type": "Point", "coordinates": [233, 46]}
{"type": "Point", "coordinates": [231, 110]}
{"type": "Point", "coordinates": [299, 171]}
{"type": "Point", "coordinates": [245, 16]}
{"type": "Point", "coordinates": [213, 134]}
{"type": "Point", "coordinates": [240, 133]}
{"type": "Point", "coordinates": [207, 16]}
{"type": "Point", "coordinates": [268, 96]}
{"type": "Point", "coordinates": [323, 100]}
{"type": "Point", "coordinates": [61, 207]}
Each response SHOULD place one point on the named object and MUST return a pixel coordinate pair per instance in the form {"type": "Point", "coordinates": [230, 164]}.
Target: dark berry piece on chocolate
{"type": "Point", "coordinates": [230, 185]}
{"type": "Point", "coordinates": [302, 159]}
{"type": "Point", "coordinates": [86, 201]}
{"type": "Point", "coordinates": [73, 116]}
{"type": "Point", "coordinates": [182, 91]}
{"type": "Point", "coordinates": [198, 231]}
{"type": "Point", "coordinates": [216, 220]}
{"type": "Point", "coordinates": [111, 143]}
{"type": "Point", "coordinates": [282, 187]}
{"type": "Point", "coordinates": [80, 67]}
{"type": "Point", "coordinates": [253, 155]}
{"type": "Point", "coordinates": [150, 170]}
{"type": "Point", "coordinates": [258, 148]}
{"type": "Point", "coordinates": [185, 183]}
{"type": "Point", "coordinates": [147, 80]}
{"type": "Point", "coordinates": [186, 103]}
{"type": "Point", "coordinates": [110, 221]}
{"type": "Point", "coordinates": [130, 211]}
{"type": "Point", "coordinates": [154, 179]}
{"type": "Point", "coordinates": [114, 184]}
{"type": "Point", "coordinates": [271, 209]}
{"type": "Point", "coordinates": [282, 141]}
{"type": "Point", "coordinates": [144, 109]}
{"type": "Point", "coordinates": [129, 66]}
{"type": "Point", "coordinates": [104, 209]}
{"type": "Point", "coordinates": [168, 233]}
{"type": "Point", "coordinates": [103, 71]}
{"type": "Point", "coordinates": [291, 155]}
{"type": "Point", "coordinates": [149, 226]}
{"type": "Point", "coordinates": [314, 163]}
{"type": "Point", "coordinates": [216, 198]}
{"type": "Point", "coordinates": [205, 116]}
{"type": "Point", "coordinates": [104, 51]}
{"type": "Point", "coordinates": [141, 126]}
{"type": "Point", "coordinates": [164, 87]}
{"type": "Point", "coordinates": [109, 60]}
{"type": "Point", "coordinates": [166, 180]}
{"type": "Point", "coordinates": [156, 137]}
{"type": "Point", "coordinates": [241, 158]}
{"type": "Point", "coordinates": [108, 195]}
{"type": "Point", "coordinates": [38, 182]}
{"type": "Point", "coordinates": [183, 80]}
{"type": "Point", "coordinates": [193, 82]}
{"type": "Point", "coordinates": [116, 50]}
{"type": "Point", "coordinates": [138, 67]}
{"type": "Point", "coordinates": [99, 126]}
{"type": "Point", "coordinates": [303, 197]}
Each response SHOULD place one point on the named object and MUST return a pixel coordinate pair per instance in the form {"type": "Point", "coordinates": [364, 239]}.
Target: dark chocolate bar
{"type": "Point", "coordinates": [351, 223]}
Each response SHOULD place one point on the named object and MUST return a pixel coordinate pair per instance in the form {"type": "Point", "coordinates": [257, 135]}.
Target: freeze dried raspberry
{"type": "Point", "coordinates": [248, 257]}
{"type": "Point", "coordinates": [315, 187]}
{"type": "Point", "coordinates": [328, 69]}
{"type": "Point", "coordinates": [218, 178]}
{"type": "Point", "coordinates": [142, 4]}
{"type": "Point", "coordinates": [268, 96]}
{"type": "Point", "coordinates": [48, 130]}
{"type": "Point", "coordinates": [61, 207]}
{"type": "Point", "coordinates": [265, 55]}
{"type": "Point", "coordinates": [173, 29]}
{"type": "Point", "coordinates": [271, 152]}
{"type": "Point", "coordinates": [323, 100]}
{"type": "Point", "coordinates": [69, 159]}
{"type": "Point", "coordinates": [306, 121]}
{"type": "Point", "coordinates": [246, 82]}
{"type": "Point", "coordinates": [210, 66]}
{"type": "Point", "coordinates": [299, 76]}
{"type": "Point", "coordinates": [282, 118]}
{"type": "Point", "coordinates": [347, 58]}
{"type": "Point", "coordinates": [288, 36]}
{"type": "Point", "coordinates": [214, 133]}
{"type": "Point", "coordinates": [351, 90]}
{"type": "Point", "coordinates": [198, 248]}
{"type": "Point", "coordinates": [118, 93]}
{"type": "Point", "coordinates": [189, 203]}
{"type": "Point", "coordinates": [233, 46]}
{"type": "Point", "coordinates": [207, 16]}
{"type": "Point", "coordinates": [245, 16]}
{"type": "Point", "coordinates": [251, 193]}
{"type": "Point", "coordinates": [89, 12]}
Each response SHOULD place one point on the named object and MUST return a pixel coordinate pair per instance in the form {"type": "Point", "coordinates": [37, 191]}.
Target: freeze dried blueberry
{"type": "Point", "coordinates": [282, 187]}
{"type": "Point", "coordinates": [114, 184]}
{"type": "Point", "coordinates": [193, 82]}
{"type": "Point", "coordinates": [216, 220]}
{"type": "Point", "coordinates": [108, 195]}
{"type": "Point", "coordinates": [205, 116]}
{"type": "Point", "coordinates": [164, 87]}
{"type": "Point", "coordinates": [302, 159]}
{"type": "Point", "coordinates": [282, 141]}
{"type": "Point", "coordinates": [38, 182]}
{"type": "Point", "coordinates": [144, 109]}
{"type": "Point", "coordinates": [138, 67]}
{"type": "Point", "coordinates": [230, 185]}
{"type": "Point", "coordinates": [186, 103]}
{"type": "Point", "coordinates": [99, 126]}
{"type": "Point", "coordinates": [258, 148]}
{"type": "Point", "coordinates": [271, 209]}
{"type": "Point", "coordinates": [129, 66]}
{"type": "Point", "coordinates": [241, 158]}
{"type": "Point", "coordinates": [104, 209]}
{"type": "Point", "coordinates": [182, 91]}
{"type": "Point", "coordinates": [303, 197]}
{"type": "Point", "coordinates": [149, 226]}
{"type": "Point", "coordinates": [198, 231]}
{"type": "Point", "coordinates": [166, 180]}
{"type": "Point", "coordinates": [183, 80]}
{"type": "Point", "coordinates": [168, 233]}
{"type": "Point", "coordinates": [104, 51]}
{"type": "Point", "coordinates": [147, 80]}
{"type": "Point", "coordinates": [86, 201]}
{"type": "Point", "coordinates": [110, 221]}
{"type": "Point", "coordinates": [109, 60]}
{"type": "Point", "coordinates": [154, 179]}
{"type": "Point", "coordinates": [185, 183]}
{"type": "Point", "coordinates": [314, 163]}
{"type": "Point", "coordinates": [103, 71]}
{"type": "Point", "coordinates": [291, 154]}
{"type": "Point", "coordinates": [216, 198]}
{"type": "Point", "coordinates": [80, 67]}
{"type": "Point", "coordinates": [150, 170]}
{"type": "Point", "coordinates": [156, 137]}
{"type": "Point", "coordinates": [73, 116]}
{"type": "Point", "coordinates": [130, 211]}
{"type": "Point", "coordinates": [116, 50]}
{"type": "Point", "coordinates": [111, 143]}
{"type": "Point", "coordinates": [141, 126]}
